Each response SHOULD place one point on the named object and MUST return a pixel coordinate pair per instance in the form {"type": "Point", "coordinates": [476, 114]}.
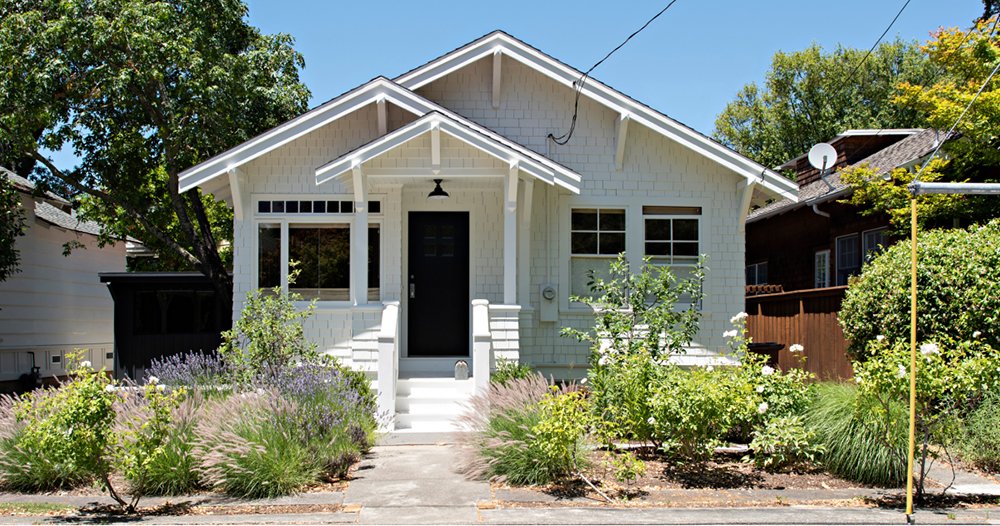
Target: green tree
{"type": "Point", "coordinates": [140, 90]}
{"type": "Point", "coordinates": [966, 57]}
{"type": "Point", "coordinates": [11, 227]}
{"type": "Point", "coordinates": [810, 96]}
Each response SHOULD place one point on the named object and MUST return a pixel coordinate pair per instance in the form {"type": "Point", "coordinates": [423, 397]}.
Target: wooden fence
{"type": "Point", "coordinates": [806, 317]}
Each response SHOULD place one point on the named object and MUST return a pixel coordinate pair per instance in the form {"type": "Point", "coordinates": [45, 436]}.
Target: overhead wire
{"type": "Point", "coordinates": [582, 81]}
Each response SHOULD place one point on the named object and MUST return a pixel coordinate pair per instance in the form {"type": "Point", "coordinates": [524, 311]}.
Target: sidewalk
{"type": "Point", "coordinates": [411, 479]}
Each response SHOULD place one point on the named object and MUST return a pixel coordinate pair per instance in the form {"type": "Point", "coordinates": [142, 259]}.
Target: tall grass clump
{"type": "Point", "coordinates": [980, 443]}
{"type": "Point", "coordinates": [174, 469]}
{"type": "Point", "coordinates": [856, 446]}
{"type": "Point", "coordinates": [525, 432]}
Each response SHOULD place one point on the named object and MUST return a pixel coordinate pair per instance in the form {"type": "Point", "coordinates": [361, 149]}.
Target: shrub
{"type": "Point", "coordinates": [958, 277]}
{"type": "Point", "coordinates": [691, 411]}
{"type": "Point", "coordinates": [856, 445]}
{"type": "Point", "coordinates": [980, 442]}
{"type": "Point", "coordinates": [637, 312]}
{"type": "Point", "coordinates": [523, 432]}
{"type": "Point", "coordinates": [267, 336]}
{"type": "Point", "coordinates": [24, 466]}
{"type": "Point", "coordinates": [621, 390]}
{"type": "Point", "coordinates": [193, 369]}
{"type": "Point", "coordinates": [952, 377]}
{"type": "Point", "coordinates": [508, 370]}
{"type": "Point", "coordinates": [784, 442]}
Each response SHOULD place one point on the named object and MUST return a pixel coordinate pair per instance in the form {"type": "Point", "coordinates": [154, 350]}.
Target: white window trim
{"type": "Point", "coordinates": [284, 220]}
{"type": "Point", "coordinates": [634, 237]}
{"type": "Point", "coordinates": [826, 255]}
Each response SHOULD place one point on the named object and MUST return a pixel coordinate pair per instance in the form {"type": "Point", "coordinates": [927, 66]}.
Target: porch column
{"type": "Point", "coordinates": [359, 239]}
{"type": "Point", "coordinates": [510, 237]}
{"type": "Point", "coordinates": [524, 242]}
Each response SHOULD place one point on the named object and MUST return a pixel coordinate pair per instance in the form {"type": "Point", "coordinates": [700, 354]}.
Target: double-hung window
{"type": "Point", "coordinates": [597, 236]}
{"type": "Point", "coordinates": [672, 238]}
{"type": "Point", "coordinates": [848, 258]}
{"type": "Point", "coordinates": [821, 269]}
{"type": "Point", "coordinates": [873, 242]}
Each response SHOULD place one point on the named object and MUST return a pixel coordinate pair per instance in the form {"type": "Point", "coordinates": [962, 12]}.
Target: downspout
{"type": "Point", "coordinates": [815, 208]}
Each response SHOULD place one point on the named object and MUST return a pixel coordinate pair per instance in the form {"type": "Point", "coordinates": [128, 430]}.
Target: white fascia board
{"type": "Point", "coordinates": [605, 95]}
{"type": "Point", "coordinates": [282, 134]}
{"type": "Point", "coordinates": [342, 165]}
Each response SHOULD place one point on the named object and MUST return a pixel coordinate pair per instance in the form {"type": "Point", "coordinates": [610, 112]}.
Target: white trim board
{"type": "Point", "coordinates": [498, 41]}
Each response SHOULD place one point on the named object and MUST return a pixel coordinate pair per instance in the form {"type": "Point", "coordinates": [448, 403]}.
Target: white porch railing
{"type": "Point", "coordinates": [495, 334]}
{"type": "Point", "coordinates": [388, 364]}
{"type": "Point", "coordinates": [481, 345]}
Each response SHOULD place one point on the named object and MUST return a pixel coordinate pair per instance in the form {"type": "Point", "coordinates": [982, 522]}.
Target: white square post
{"type": "Point", "coordinates": [359, 239]}
{"type": "Point", "coordinates": [510, 237]}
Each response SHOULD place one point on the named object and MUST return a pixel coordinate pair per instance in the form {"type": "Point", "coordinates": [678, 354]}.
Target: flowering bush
{"type": "Point", "coordinates": [194, 369]}
{"type": "Point", "coordinates": [783, 442]}
{"type": "Point", "coordinates": [952, 377]}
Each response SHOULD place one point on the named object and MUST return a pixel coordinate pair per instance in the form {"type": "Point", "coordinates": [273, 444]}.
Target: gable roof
{"type": "Point", "coordinates": [377, 89]}
{"type": "Point", "coordinates": [46, 211]}
{"type": "Point", "coordinates": [617, 101]}
{"type": "Point", "coordinates": [488, 143]}
{"type": "Point", "coordinates": [902, 153]}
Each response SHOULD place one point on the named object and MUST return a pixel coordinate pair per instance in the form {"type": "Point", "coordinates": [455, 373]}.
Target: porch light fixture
{"type": "Point", "coordinates": [437, 192]}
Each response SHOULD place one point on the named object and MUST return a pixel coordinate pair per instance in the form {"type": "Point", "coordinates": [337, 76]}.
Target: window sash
{"type": "Point", "coordinates": [603, 235]}
{"type": "Point", "coordinates": [821, 269]}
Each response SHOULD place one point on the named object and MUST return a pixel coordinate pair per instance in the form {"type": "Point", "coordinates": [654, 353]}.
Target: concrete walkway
{"type": "Point", "coordinates": [411, 479]}
{"type": "Point", "coordinates": [414, 484]}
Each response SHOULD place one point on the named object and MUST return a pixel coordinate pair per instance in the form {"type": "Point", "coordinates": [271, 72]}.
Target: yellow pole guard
{"type": "Point", "coordinates": [913, 355]}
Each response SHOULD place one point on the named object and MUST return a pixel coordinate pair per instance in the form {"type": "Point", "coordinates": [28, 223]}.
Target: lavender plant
{"type": "Point", "coordinates": [194, 369]}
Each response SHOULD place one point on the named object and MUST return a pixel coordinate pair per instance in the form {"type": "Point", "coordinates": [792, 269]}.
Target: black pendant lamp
{"type": "Point", "coordinates": [437, 192]}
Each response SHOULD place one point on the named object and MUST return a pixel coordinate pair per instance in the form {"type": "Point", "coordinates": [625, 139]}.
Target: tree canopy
{"type": "Point", "coordinates": [967, 57]}
{"type": "Point", "coordinates": [810, 96]}
{"type": "Point", "coordinates": [140, 90]}
{"type": "Point", "coordinates": [11, 227]}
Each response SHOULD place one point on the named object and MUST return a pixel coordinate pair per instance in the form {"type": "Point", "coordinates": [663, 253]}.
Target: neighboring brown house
{"type": "Point", "coordinates": [818, 241]}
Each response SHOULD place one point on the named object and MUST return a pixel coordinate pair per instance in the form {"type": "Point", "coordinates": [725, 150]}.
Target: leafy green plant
{"type": "Point", "coordinates": [958, 291]}
{"type": "Point", "coordinates": [24, 466]}
{"type": "Point", "coordinates": [628, 468]}
{"type": "Point", "coordinates": [507, 370]}
{"type": "Point", "coordinates": [784, 442]}
{"type": "Point", "coordinates": [636, 312]}
{"type": "Point", "coordinates": [952, 377]}
{"type": "Point", "coordinates": [621, 390]}
{"type": "Point", "coordinates": [858, 444]}
{"type": "Point", "coordinates": [559, 433]}
{"type": "Point", "coordinates": [268, 335]}
{"type": "Point", "coordinates": [980, 442]}
{"type": "Point", "coordinates": [12, 221]}
{"type": "Point", "coordinates": [690, 411]}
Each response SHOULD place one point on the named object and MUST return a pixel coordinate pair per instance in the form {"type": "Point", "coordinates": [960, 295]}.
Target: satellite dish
{"type": "Point", "coordinates": [822, 156]}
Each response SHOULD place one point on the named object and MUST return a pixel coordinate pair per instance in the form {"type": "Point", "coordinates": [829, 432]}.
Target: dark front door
{"type": "Point", "coordinates": [438, 284]}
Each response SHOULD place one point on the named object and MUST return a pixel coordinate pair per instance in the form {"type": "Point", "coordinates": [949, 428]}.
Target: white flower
{"type": "Point", "coordinates": [730, 334]}
{"type": "Point", "coordinates": [603, 361]}
{"type": "Point", "coordinates": [583, 381]}
{"type": "Point", "coordinates": [161, 387]}
{"type": "Point", "coordinates": [929, 348]}
{"type": "Point", "coordinates": [760, 388]}
{"type": "Point", "coordinates": [880, 338]}
{"type": "Point", "coordinates": [651, 421]}
{"type": "Point", "coordinates": [762, 408]}
{"type": "Point", "coordinates": [857, 379]}
{"type": "Point", "coordinates": [976, 334]}
{"type": "Point", "coordinates": [740, 316]}
{"type": "Point", "coordinates": [902, 371]}
{"type": "Point", "coordinates": [796, 348]}
{"type": "Point", "coordinates": [153, 380]}
{"type": "Point", "coordinates": [710, 368]}
{"type": "Point", "coordinates": [110, 388]}
{"type": "Point", "coordinates": [767, 370]}
{"type": "Point", "coordinates": [86, 364]}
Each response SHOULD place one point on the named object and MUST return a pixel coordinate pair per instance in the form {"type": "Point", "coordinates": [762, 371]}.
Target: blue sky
{"type": "Point", "coordinates": [688, 64]}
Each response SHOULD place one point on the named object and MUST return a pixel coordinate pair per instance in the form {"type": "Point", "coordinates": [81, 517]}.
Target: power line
{"type": "Point", "coordinates": [579, 84]}
{"type": "Point", "coordinates": [877, 42]}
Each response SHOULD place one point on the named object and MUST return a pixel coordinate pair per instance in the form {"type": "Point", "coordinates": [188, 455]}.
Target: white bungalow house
{"type": "Point", "coordinates": [434, 221]}
{"type": "Point", "coordinates": [55, 304]}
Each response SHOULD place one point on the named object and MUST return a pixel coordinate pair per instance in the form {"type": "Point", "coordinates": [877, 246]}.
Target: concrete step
{"type": "Point", "coordinates": [434, 387]}
{"type": "Point", "coordinates": [426, 423]}
{"type": "Point", "coordinates": [424, 406]}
